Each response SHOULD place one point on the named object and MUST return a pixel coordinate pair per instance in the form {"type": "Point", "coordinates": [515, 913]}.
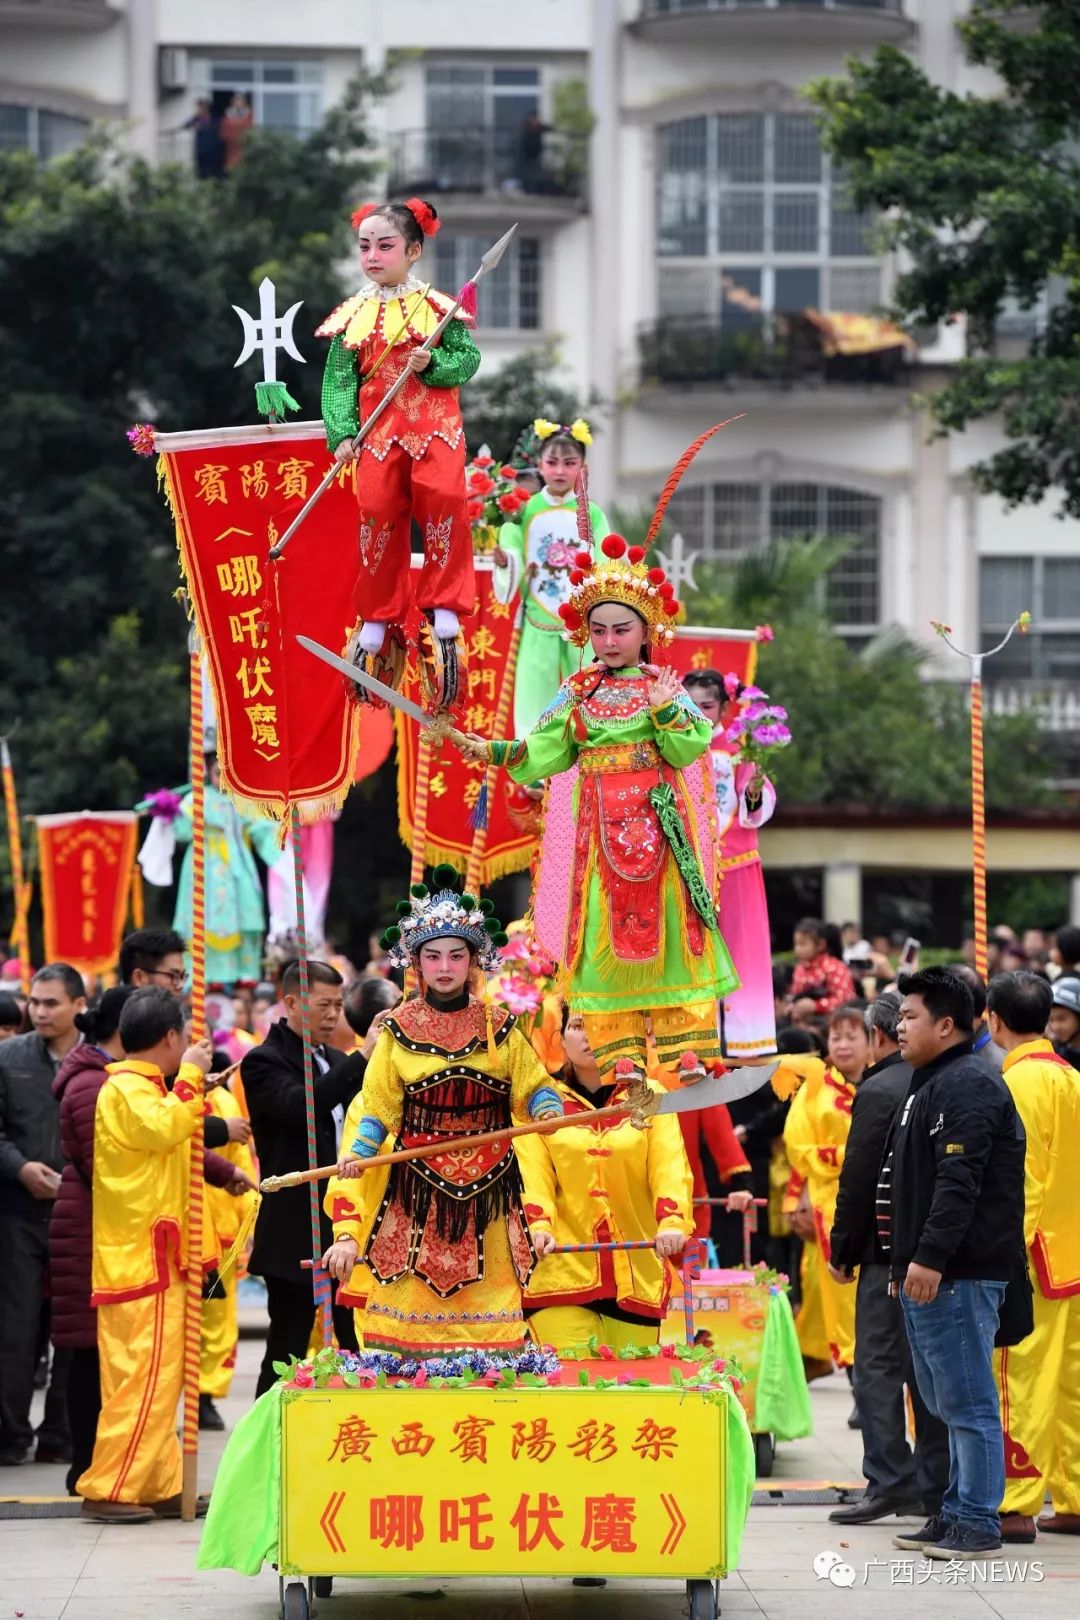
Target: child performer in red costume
{"type": "Point", "coordinates": [412, 463]}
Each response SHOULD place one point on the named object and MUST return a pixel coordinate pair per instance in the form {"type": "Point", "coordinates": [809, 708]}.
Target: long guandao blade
{"type": "Point", "coordinates": [352, 673]}
{"type": "Point", "coordinates": [724, 1088]}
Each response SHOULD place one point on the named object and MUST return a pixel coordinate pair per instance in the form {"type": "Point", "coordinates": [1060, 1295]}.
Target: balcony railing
{"type": "Point", "coordinates": [486, 162]}
{"type": "Point", "coordinates": [669, 8]}
{"type": "Point", "coordinates": [91, 15]}
{"type": "Point", "coordinates": [1055, 705]}
{"type": "Point", "coordinates": [782, 350]}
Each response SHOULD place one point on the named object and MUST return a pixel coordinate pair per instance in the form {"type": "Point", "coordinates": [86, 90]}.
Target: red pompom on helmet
{"type": "Point", "coordinates": [671, 607]}
{"type": "Point", "coordinates": [424, 215]}
{"type": "Point", "coordinates": [636, 554]}
{"type": "Point", "coordinates": [667, 590]}
{"type": "Point", "coordinates": [362, 213]}
{"type": "Point", "coordinates": [657, 576]}
{"type": "Point", "coordinates": [577, 577]}
{"type": "Point", "coordinates": [583, 560]}
{"type": "Point", "coordinates": [614, 546]}
{"type": "Point", "coordinates": [570, 616]}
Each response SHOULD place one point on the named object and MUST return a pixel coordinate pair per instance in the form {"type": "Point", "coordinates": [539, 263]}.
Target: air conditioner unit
{"type": "Point", "coordinates": [173, 67]}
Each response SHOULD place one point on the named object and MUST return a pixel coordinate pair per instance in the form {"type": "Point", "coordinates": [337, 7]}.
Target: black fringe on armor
{"type": "Point", "coordinates": [474, 1109]}
{"type": "Point", "coordinates": [495, 1197]}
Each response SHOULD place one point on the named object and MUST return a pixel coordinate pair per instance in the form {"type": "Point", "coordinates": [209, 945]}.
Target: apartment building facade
{"type": "Point", "coordinates": [671, 256]}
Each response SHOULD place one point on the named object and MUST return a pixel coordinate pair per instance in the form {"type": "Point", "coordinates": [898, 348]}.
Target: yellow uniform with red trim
{"type": "Point", "coordinates": [220, 1325]}
{"type": "Point", "coordinates": [603, 1183]}
{"type": "Point", "coordinates": [1039, 1378]}
{"type": "Point", "coordinates": [815, 1136]}
{"type": "Point", "coordinates": [141, 1155]}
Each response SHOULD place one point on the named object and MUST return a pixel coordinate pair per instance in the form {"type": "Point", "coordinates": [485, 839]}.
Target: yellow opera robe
{"type": "Point", "coordinates": [1039, 1378]}
{"type": "Point", "coordinates": [603, 1183]}
{"type": "Point", "coordinates": [815, 1136]}
{"type": "Point", "coordinates": [444, 1247]}
{"type": "Point", "coordinates": [225, 1214]}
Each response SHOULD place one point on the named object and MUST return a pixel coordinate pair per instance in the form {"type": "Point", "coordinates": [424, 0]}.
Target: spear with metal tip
{"type": "Point", "coordinates": [490, 261]}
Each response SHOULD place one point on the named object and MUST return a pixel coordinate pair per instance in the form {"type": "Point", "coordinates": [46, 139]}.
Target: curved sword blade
{"type": "Point", "coordinates": [724, 1088]}
{"type": "Point", "coordinates": [350, 671]}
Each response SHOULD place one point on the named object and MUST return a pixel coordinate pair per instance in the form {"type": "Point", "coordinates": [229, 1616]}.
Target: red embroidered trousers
{"type": "Point", "coordinates": [429, 489]}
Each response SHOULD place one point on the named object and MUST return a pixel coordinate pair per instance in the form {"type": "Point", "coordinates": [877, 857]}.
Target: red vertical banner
{"type": "Point", "coordinates": [454, 786]}
{"type": "Point", "coordinates": [86, 862]}
{"type": "Point", "coordinates": [286, 733]}
{"type": "Point", "coordinates": [701, 647]}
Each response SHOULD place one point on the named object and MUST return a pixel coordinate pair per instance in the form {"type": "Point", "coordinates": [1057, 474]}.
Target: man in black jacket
{"type": "Point", "coordinates": [30, 1165]}
{"type": "Point", "coordinates": [896, 1482]}
{"type": "Point", "coordinates": [273, 1079]}
{"type": "Point", "coordinates": [954, 1232]}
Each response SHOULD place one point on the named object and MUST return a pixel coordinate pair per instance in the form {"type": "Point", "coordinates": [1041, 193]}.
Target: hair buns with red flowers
{"type": "Point", "coordinates": [424, 215]}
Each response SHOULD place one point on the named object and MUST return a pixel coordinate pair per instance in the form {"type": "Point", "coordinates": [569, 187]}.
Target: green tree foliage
{"type": "Point", "coordinates": [868, 727]}
{"type": "Point", "coordinates": [116, 287]}
{"type": "Point", "coordinates": [983, 194]}
{"type": "Point", "coordinates": [497, 407]}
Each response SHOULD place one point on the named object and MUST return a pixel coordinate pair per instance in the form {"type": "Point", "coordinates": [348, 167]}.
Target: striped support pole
{"type": "Point", "coordinates": [602, 1248]}
{"type": "Point", "coordinates": [193, 1302]}
{"type": "Point", "coordinates": [499, 729]}
{"type": "Point", "coordinates": [978, 821]}
{"type": "Point", "coordinates": [1021, 624]}
{"type": "Point", "coordinates": [320, 1280]}
{"type": "Point", "coordinates": [20, 933]}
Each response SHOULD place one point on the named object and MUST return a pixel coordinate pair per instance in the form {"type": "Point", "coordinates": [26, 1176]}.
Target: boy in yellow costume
{"type": "Point", "coordinates": [141, 1154]}
{"type": "Point", "coordinates": [1039, 1378]}
{"type": "Point", "coordinates": [606, 1182]}
{"type": "Point", "coordinates": [443, 1240]}
{"type": "Point", "coordinates": [815, 1136]}
{"type": "Point", "coordinates": [220, 1324]}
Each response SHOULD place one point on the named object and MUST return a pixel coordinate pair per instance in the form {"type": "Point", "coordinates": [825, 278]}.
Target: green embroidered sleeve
{"type": "Point", "coordinates": [454, 361]}
{"type": "Point", "coordinates": [340, 394]}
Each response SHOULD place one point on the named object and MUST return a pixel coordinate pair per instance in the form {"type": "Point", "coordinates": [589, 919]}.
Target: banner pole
{"type": "Point", "coordinates": [20, 933]}
{"type": "Point", "coordinates": [502, 716]}
{"type": "Point", "coordinates": [193, 1298]}
{"type": "Point", "coordinates": [320, 1279]}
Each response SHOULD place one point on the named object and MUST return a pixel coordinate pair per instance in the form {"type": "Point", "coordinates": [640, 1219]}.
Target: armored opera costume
{"type": "Point", "coordinates": [444, 1246]}
{"type": "Point", "coordinates": [623, 895]}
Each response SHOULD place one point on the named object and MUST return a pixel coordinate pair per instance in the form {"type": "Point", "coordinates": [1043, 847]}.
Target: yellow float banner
{"type": "Point", "coordinates": [729, 1318]}
{"type": "Point", "coordinates": [476, 1482]}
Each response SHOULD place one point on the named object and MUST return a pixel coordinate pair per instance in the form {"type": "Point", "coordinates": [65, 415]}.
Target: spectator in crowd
{"type": "Point", "coordinates": [1063, 1024]}
{"type": "Point", "coordinates": [140, 1194]}
{"type": "Point", "coordinates": [273, 1081]}
{"type": "Point", "coordinates": [206, 140]}
{"type": "Point", "coordinates": [74, 1320]}
{"type": "Point", "coordinates": [954, 1233]}
{"type": "Point", "coordinates": [1034, 945]}
{"type": "Point", "coordinates": [896, 1481]}
{"type": "Point", "coordinates": [11, 1017]}
{"type": "Point", "coordinates": [365, 999]}
{"type": "Point", "coordinates": [820, 982]}
{"type": "Point", "coordinates": [1039, 1378]}
{"type": "Point", "coordinates": [233, 128]}
{"type": "Point", "coordinates": [1066, 951]}
{"type": "Point", "coordinates": [982, 1043]}
{"type": "Point", "coordinates": [153, 956]}
{"type": "Point", "coordinates": [815, 1137]}
{"type": "Point", "coordinates": [30, 1164]}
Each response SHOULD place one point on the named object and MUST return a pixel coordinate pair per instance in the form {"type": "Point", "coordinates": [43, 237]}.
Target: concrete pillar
{"type": "Point", "coordinates": [841, 892]}
{"type": "Point", "coordinates": [604, 295]}
{"type": "Point", "coordinates": [1074, 899]}
{"type": "Point", "coordinates": [142, 79]}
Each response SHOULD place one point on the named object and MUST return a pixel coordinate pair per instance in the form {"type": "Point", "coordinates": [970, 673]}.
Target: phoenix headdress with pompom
{"type": "Point", "coordinates": [620, 575]}
{"type": "Point", "coordinates": [443, 912]}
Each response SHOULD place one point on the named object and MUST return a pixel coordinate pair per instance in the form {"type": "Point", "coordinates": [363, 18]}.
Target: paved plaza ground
{"type": "Point", "coordinates": [61, 1569]}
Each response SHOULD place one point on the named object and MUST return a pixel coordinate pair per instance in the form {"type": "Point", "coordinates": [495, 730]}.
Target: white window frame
{"type": "Point", "coordinates": [767, 261]}
{"type": "Point", "coordinates": [33, 128]}
{"type": "Point", "coordinates": [1043, 627]}
{"type": "Point", "coordinates": [766, 488]}
{"type": "Point", "coordinates": [467, 253]}
{"type": "Point", "coordinates": [309, 82]}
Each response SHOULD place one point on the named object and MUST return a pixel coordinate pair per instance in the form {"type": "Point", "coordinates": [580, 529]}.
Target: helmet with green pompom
{"type": "Point", "coordinates": [443, 912]}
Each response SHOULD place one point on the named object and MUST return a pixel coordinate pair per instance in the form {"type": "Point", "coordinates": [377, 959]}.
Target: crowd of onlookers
{"type": "Point", "coordinates": [895, 1155]}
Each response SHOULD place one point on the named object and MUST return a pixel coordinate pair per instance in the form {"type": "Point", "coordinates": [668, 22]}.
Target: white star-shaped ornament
{"type": "Point", "coordinates": [678, 565]}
